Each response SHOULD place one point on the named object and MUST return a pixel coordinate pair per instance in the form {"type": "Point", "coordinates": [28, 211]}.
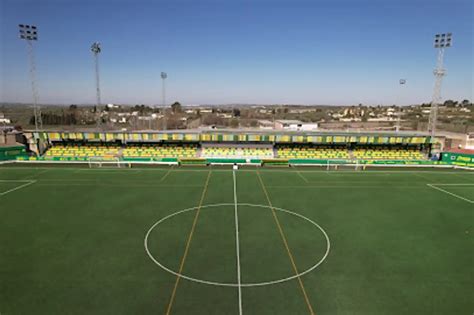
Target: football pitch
{"type": "Point", "coordinates": [254, 241]}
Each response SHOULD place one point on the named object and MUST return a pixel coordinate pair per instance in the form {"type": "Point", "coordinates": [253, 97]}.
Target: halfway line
{"type": "Point", "coordinates": [237, 244]}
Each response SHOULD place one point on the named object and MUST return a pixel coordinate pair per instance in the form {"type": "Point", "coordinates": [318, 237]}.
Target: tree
{"type": "Point", "coordinates": [173, 123]}
{"type": "Point", "coordinates": [450, 103]}
{"type": "Point", "coordinates": [236, 112]}
{"type": "Point", "coordinates": [212, 120]}
{"type": "Point", "coordinates": [176, 107]}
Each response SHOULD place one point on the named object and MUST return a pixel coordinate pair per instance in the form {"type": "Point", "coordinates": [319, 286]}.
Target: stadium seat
{"type": "Point", "coordinates": [387, 153]}
{"type": "Point", "coordinates": [237, 152]}
{"type": "Point", "coordinates": [160, 151]}
{"type": "Point", "coordinates": [312, 152]}
{"type": "Point", "coordinates": [82, 151]}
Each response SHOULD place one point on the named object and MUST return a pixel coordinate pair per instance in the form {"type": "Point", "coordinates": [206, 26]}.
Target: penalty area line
{"type": "Point", "coordinates": [18, 187]}
{"type": "Point", "coordinates": [302, 177]}
{"type": "Point", "coordinates": [449, 193]}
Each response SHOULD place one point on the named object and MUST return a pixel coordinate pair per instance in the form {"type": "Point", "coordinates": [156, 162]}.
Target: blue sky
{"type": "Point", "coordinates": [260, 51]}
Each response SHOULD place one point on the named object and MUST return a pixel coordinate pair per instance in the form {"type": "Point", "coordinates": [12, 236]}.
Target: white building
{"type": "Point", "coordinates": [470, 141]}
{"type": "Point", "coordinates": [294, 125]}
{"type": "Point", "coordinates": [4, 120]}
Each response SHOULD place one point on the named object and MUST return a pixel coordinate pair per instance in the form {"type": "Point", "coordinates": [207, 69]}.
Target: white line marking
{"type": "Point", "coordinates": [301, 175]}
{"type": "Point", "coordinates": [15, 180]}
{"type": "Point", "coordinates": [454, 184]}
{"type": "Point", "coordinates": [18, 187]}
{"type": "Point", "coordinates": [450, 193]}
{"type": "Point", "coordinates": [237, 244]}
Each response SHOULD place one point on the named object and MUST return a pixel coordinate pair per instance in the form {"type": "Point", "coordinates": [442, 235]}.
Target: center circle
{"type": "Point", "coordinates": [230, 284]}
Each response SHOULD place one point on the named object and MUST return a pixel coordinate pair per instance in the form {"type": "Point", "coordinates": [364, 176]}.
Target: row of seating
{"type": "Point", "coordinates": [237, 152]}
{"type": "Point", "coordinates": [387, 153]}
{"type": "Point", "coordinates": [313, 152]}
{"type": "Point", "coordinates": [166, 150]}
{"type": "Point", "coordinates": [82, 151]}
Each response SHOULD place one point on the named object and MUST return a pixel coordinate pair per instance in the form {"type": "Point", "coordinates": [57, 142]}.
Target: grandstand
{"type": "Point", "coordinates": [189, 151]}
{"type": "Point", "coordinates": [265, 151]}
{"type": "Point", "coordinates": [233, 150]}
{"type": "Point", "coordinates": [221, 147]}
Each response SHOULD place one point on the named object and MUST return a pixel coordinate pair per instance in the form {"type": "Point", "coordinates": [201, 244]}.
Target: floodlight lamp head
{"type": "Point", "coordinates": [443, 40]}
{"type": "Point", "coordinates": [164, 75]}
{"type": "Point", "coordinates": [28, 32]}
{"type": "Point", "coordinates": [95, 48]}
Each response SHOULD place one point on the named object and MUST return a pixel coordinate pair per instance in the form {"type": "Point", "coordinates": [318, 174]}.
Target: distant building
{"type": "Point", "coordinates": [294, 125]}
{"type": "Point", "coordinates": [354, 119]}
{"type": "Point", "coordinates": [4, 120]}
{"type": "Point", "coordinates": [470, 141]}
{"type": "Point", "coordinates": [382, 119]}
{"type": "Point", "coordinates": [266, 124]}
{"type": "Point", "coordinates": [224, 115]}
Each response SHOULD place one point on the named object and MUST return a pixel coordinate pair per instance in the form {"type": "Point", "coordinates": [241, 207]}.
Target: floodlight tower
{"type": "Point", "coordinates": [164, 75]}
{"type": "Point", "coordinates": [441, 41]}
{"type": "Point", "coordinates": [96, 49]}
{"type": "Point", "coordinates": [30, 33]}
{"type": "Point", "coordinates": [401, 83]}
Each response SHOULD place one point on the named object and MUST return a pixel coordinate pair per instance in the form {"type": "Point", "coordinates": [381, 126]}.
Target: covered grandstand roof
{"type": "Point", "coordinates": [252, 131]}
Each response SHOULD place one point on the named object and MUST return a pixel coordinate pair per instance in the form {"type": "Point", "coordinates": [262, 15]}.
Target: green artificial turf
{"type": "Point", "coordinates": [72, 242]}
